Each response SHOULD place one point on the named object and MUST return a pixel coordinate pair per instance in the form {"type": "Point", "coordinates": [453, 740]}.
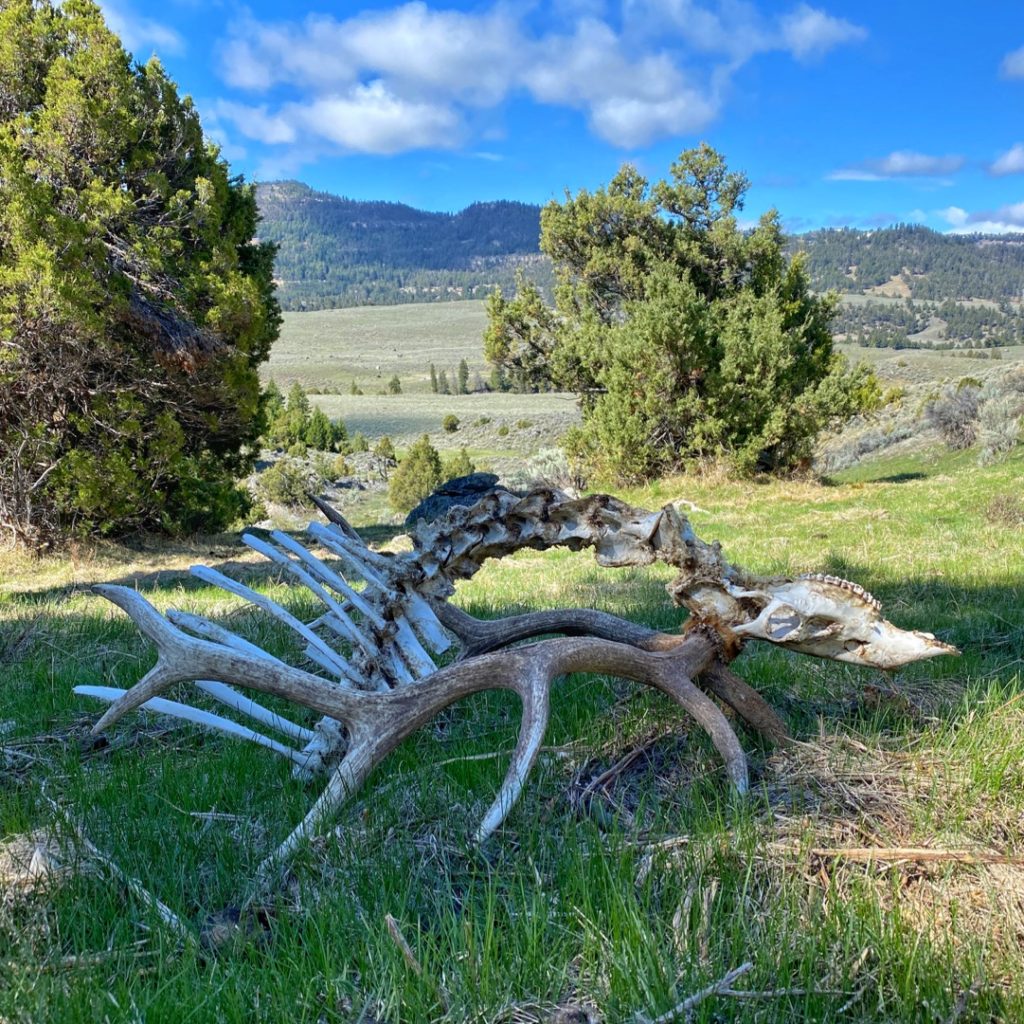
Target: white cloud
{"type": "Point", "coordinates": [1005, 220]}
{"type": "Point", "coordinates": [139, 33]}
{"type": "Point", "coordinates": [1010, 162]}
{"type": "Point", "coordinates": [1013, 64]}
{"type": "Point", "coordinates": [370, 119]}
{"type": "Point", "coordinates": [954, 215]}
{"type": "Point", "coordinates": [902, 163]}
{"type": "Point", "coordinates": [383, 68]}
{"type": "Point", "coordinates": [366, 119]}
{"type": "Point", "coordinates": [809, 33]}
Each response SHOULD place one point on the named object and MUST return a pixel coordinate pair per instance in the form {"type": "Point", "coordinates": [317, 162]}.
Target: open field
{"type": "Point", "coordinates": [613, 896]}
{"type": "Point", "coordinates": [921, 366]}
{"type": "Point", "coordinates": [371, 343]}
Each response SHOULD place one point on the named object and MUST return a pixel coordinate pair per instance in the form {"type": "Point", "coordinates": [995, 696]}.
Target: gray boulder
{"type": "Point", "coordinates": [462, 490]}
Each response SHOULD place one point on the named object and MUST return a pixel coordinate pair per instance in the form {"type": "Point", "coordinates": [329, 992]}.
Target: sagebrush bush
{"type": "Point", "coordinates": [450, 423]}
{"type": "Point", "coordinates": [999, 427]}
{"type": "Point", "coordinates": [954, 414]}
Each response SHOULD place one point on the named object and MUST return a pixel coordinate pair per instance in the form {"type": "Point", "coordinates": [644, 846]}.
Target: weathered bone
{"type": "Point", "coordinates": [384, 686]}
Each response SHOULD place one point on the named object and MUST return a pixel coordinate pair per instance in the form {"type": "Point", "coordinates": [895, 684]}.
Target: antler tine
{"type": "Point", "coordinates": [536, 711]}
{"type": "Point", "coordinates": [181, 658]}
{"type": "Point", "coordinates": [376, 722]}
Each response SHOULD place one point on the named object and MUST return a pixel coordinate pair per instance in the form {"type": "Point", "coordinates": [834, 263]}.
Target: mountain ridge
{"type": "Point", "coordinates": [337, 252]}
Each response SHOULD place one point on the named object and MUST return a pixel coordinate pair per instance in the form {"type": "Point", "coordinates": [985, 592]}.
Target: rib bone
{"type": "Point", "coordinates": [387, 686]}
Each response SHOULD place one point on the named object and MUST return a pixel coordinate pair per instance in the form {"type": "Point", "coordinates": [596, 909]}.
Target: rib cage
{"type": "Point", "coordinates": [379, 633]}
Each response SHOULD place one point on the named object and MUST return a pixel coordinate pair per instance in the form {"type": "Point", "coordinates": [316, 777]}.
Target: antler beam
{"type": "Point", "coordinates": [392, 622]}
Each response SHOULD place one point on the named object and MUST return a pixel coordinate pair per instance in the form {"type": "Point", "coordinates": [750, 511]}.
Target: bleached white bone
{"type": "Point", "coordinates": [197, 716]}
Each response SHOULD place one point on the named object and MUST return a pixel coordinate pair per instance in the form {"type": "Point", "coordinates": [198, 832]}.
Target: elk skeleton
{"type": "Point", "coordinates": [385, 618]}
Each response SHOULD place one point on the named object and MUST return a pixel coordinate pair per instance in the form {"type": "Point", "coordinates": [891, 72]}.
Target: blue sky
{"type": "Point", "coordinates": [860, 113]}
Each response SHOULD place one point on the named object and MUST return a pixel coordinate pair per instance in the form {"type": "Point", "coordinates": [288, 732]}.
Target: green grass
{"type": "Point", "coordinates": [371, 343]}
{"type": "Point", "coordinates": [627, 901]}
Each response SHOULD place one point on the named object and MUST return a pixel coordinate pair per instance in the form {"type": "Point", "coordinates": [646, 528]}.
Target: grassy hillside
{"type": "Point", "coordinates": [626, 878]}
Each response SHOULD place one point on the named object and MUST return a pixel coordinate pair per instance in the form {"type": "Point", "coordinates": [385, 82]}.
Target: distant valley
{"type": "Point", "coordinates": [918, 288]}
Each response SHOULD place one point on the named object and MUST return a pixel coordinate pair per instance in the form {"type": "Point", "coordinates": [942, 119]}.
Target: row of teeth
{"type": "Point", "coordinates": [837, 581]}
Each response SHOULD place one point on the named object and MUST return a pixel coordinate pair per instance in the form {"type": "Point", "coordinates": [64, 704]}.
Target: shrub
{"type": "Point", "coordinates": [1006, 510]}
{"type": "Point", "coordinates": [954, 414]}
{"type": "Point", "coordinates": [457, 465]}
{"type": "Point", "coordinates": [359, 443]}
{"type": "Point", "coordinates": [524, 424]}
{"type": "Point", "coordinates": [450, 423]}
{"type": "Point", "coordinates": [999, 427]}
{"type": "Point", "coordinates": [502, 431]}
{"type": "Point", "coordinates": [416, 476]}
{"type": "Point", "coordinates": [286, 482]}
{"type": "Point", "coordinates": [394, 385]}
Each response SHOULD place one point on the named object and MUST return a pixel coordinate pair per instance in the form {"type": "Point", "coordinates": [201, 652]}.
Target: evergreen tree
{"type": "Point", "coordinates": [684, 336]}
{"type": "Point", "coordinates": [433, 379]}
{"type": "Point", "coordinates": [416, 476]}
{"type": "Point", "coordinates": [135, 307]}
{"type": "Point", "coordinates": [463, 377]}
{"type": "Point", "coordinates": [318, 432]}
{"type": "Point", "coordinates": [442, 384]}
{"type": "Point", "coordinates": [458, 465]}
{"type": "Point", "coordinates": [395, 385]}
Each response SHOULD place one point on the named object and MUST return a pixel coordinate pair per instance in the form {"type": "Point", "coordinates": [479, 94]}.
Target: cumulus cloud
{"type": "Point", "coordinates": [809, 33]}
{"type": "Point", "coordinates": [1010, 162]}
{"type": "Point", "coordinates": [902, 163]}
{"type": "Point", "coordinates": [389, 66]}
{"type": "Point", "coordinates": [1013, 64]}
{"type": "Point", "coordinates": [1005, 220]}
{"type": "Point", "coordinates": [365, 119]}
{"type": "Point", "coordinates": [139, 33]}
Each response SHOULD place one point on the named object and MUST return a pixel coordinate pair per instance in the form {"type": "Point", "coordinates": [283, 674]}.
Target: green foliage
{"type": "Point", "coordinates": [443, 387]}
{"type": "Point", "coordinates": [463, 377]}
{"type": "Point", "coordinates": [433, 378]}
{"type": "Point", "coordinates": [355, 389]}
{"type": "Point", "coordinates": [450, 423]}
{"type": "Point", "coordinates": [286, 482]}
{"type": "Point", "coordinates": [135, 307]}
{"type": "Point", "coordinates": [296, 425]}
{"type": "Point", "coordinates": [416, 476]}
{"type": "Point", "coordinates": [685, 337]}
{"type": "Point", "coordinates": [359, 442]}
{"type": "Point", "coordinates": [338, 252]}
{"type": "Point", "coordinates": [395, 385]}
{"type": "Point", "coordinates": [457, 465]}
{"type": "Point", "coordinates": [385, 449]}
{"type": "Point", "coordinates": [520, 338]}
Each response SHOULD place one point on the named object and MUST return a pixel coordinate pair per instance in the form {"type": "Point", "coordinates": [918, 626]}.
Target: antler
{"type": "Point", "coordinates": [376, 644]}
{"type": "Point", "coordinates": [375, 723]}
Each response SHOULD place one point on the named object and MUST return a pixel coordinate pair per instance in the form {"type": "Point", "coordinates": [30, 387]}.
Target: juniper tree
{"type": "Point", "coordinates": [135, 306]}
{"type": "Point", "coordinates": [684, 336]}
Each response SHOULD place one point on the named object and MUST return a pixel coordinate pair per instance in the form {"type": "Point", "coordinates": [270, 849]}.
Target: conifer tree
{"type": "Point", "coordinates": [135, 307]}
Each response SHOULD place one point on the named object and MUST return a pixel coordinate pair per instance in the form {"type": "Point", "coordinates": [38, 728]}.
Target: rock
{"type": "Point", "coordinates": [462, 490]}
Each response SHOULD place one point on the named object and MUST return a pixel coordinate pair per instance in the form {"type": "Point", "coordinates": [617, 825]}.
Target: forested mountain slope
{"type": "Point", "coordinates": [915, 262]}
{"type": "Point", "coordinates": [342, 252]}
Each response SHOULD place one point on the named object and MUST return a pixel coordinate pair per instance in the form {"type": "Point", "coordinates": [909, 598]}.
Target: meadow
{"type": "Point", "coordinates": [626, 878]}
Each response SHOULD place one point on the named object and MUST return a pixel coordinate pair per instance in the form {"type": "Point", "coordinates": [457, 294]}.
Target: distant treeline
{"type": "Point", "coordinates": [929, 264]}
{"type": "Point", "coordinates": [336, 252]}
{"type": "Point", "coordinates": [896, 324]}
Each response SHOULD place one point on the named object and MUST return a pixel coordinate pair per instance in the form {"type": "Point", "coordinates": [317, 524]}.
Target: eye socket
{"type": "Point", "coordinates": [852, 645]}
{"type": "Point", "coordinates": [782, 622]}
